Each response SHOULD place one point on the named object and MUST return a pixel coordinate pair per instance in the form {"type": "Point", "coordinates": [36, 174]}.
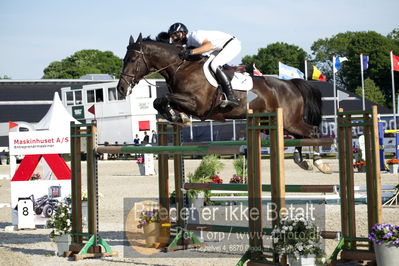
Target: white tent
{"type": "Point", "coordinates": [57, 117]}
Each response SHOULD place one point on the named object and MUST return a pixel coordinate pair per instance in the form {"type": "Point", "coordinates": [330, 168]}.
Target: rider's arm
{"type": "Point", "coordinates": [206, 46]}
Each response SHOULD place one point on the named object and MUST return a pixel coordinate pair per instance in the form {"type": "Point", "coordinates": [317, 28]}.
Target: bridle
{"type": "Point", "coordinates": [133, 80]}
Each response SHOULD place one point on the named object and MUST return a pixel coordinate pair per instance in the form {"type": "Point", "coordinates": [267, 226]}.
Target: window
{"type": "Point", "coordinates": [69, 97]}
{"type": "Point", "coordinates": [114, 95]}
{"type": "Point", "coordinates": [78, 97]}
{"type": "Point", "coordinates": [90, 96]}
{"type": "Point", "coordinates": [95, 96]}
{"type": "Point", "coordinates": [99, 95]}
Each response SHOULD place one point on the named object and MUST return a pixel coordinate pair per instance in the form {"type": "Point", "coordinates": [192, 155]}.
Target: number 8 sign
{"type": "Point", "coordinates": [25, 214]}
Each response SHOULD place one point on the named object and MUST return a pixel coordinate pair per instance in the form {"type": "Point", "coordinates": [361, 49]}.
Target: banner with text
{"type": "Point", "coordinates": [39, 142]}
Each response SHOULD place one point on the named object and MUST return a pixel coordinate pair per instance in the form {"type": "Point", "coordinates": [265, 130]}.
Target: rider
{"type": "Point", "coordinates": [224, 46]}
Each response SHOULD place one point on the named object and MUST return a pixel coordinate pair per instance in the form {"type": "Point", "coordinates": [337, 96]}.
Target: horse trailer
{"type": "Point", "coordinates": [118, 118]}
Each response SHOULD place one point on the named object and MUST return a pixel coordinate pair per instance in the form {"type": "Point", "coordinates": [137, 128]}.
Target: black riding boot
{"type": "Point", "coordinates": [226, 86]}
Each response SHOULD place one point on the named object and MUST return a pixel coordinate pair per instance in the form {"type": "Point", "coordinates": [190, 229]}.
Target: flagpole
{"type": "Point", "coordinates": [393, 92]}
{"type": "Point", "coordinates": [362, 76]}
{"type": "Point", "coordinates": [335, 97]}
{"type": "Point", "coordinates": [306, 69]}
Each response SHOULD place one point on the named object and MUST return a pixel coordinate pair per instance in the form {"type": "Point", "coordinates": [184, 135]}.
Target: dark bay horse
{"type": "Point", "coordinates": [191, 93]}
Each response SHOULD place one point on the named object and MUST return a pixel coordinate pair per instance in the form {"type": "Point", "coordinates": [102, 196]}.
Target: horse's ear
{"type": "Point", "coordinates": [139, 39]}
{"type": "Point", "coordinates": [131, 40]}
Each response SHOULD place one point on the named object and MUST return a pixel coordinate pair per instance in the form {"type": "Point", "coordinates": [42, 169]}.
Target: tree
{"type": "Point", "coordinates": [267, 58]}
{"type": "Point", "coordinates": [324, 49]}
{"type": "Point", "coordinates": [5, 77]}
{"type": "Point", "coordinates": [372, 92]}
{"type": "Point", "coordinates": [350, 45]}
{"type": "Point", "coordinates": [84, 62]}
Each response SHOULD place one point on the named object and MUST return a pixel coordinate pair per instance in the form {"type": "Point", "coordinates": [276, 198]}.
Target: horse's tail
{"type": "Point", "coordinates": [312, 102]}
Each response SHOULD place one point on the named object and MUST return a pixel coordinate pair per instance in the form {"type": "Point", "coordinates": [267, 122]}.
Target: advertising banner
{"type": "Point", "coordinates": [39, 142]}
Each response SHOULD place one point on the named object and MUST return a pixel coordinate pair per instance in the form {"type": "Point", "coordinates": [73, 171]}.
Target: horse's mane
{"type": "Point", "coordinates": [162, 40]}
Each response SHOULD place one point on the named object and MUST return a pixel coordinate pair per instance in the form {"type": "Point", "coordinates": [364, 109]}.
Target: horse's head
{"type": "Point", "coordinates": [135, 66]}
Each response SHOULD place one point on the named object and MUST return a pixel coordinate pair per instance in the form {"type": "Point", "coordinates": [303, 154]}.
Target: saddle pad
{"type": "Point", "coordinates": [240, 81]}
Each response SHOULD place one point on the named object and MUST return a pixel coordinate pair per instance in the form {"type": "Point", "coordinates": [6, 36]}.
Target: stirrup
{"type": "Point", "coordinates": [225, 102]}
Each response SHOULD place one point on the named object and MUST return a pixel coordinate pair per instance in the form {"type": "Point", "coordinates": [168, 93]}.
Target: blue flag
{"type": "Point", "coordinates": [289, 72]}
{"type": "Point", "coordinates": [365, 62]}
{"type": "Point", "coordinates": [337, 63]}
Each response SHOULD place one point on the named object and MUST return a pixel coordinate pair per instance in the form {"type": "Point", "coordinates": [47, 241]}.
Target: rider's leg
{"type": "Point", "coordinates": [224, 56]}
{"type": "Point", "coordinates": [226, 86]}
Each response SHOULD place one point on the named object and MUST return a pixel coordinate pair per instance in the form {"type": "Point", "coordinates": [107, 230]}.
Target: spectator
{"type": "Point", "coordinates": [146, 138]}
{"type": "Point", "coordinates": [154, 137]}
{"type": "Point", "coordinates": [136, 141]}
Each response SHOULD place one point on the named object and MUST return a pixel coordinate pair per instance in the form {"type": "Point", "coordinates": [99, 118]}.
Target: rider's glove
{"type": "Point", "coordinates": [185, 55]}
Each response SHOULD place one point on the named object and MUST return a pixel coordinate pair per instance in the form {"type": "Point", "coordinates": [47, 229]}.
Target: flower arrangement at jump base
{"type": "Point", "coordinates": [60, 221]}
{"type": "Point", "coordinates": [148, 217]}
{"type": "Point", "coordinates": [216, 180]}
{"type": "Point", "coordinates": [393, 165]}
{"type": "Point", "coordinates": [385, 233]}
{"type": "Point", "coordinates": [237, 180]}
{"type": "Point", "coordinates": [360, 166]}
{"type": "Point", "coordinates": [386, 243]}
{"type": "Point", "coordinates": [150, 222]}
{"type": "Point", "coordinates": [298, 238]}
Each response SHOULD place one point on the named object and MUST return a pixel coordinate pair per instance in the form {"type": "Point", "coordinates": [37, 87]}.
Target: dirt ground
{"type": "Point", "coordinates": [120, 180]}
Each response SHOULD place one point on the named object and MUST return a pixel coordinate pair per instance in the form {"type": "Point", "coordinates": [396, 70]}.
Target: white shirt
{"type": "Point", "coordinates": [217, 38]}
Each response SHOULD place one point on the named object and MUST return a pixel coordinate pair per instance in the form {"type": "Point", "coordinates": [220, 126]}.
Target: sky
{"type": "Point", "coordinates": [35, 33]}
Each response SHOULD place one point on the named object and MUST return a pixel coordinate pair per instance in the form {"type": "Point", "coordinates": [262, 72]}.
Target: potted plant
{"type": "Point", "coordinates": [300, 240]}
{"type": "Point", "coordinates": [359, 163]}
{"type": "Point", "coordinates": [386, 243]}
{"type": "Point", "coordinates": [61, 222]}
{"type": "Point", "coordinates": [393, 165]}
{"type": "Point", "coordinates": [240, 166]}
{"type": "Point", "coordinates": [150, 222]}
{"type": "Point", "coordinates": [206, 172]}
{"type": "Point", "coordinates": [140, 163]}
{"type": "Point", "coordinates": [236, 180]}
{"type": "Point", "coordinates": [360, 166]}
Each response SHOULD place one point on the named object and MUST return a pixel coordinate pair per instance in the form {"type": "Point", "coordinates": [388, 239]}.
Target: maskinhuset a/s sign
{"type": "Point", "coordinates": [39, 142]}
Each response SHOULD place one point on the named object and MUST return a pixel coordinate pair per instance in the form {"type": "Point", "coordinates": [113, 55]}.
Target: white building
{"type": "Point", "coordinates": [119, 119]}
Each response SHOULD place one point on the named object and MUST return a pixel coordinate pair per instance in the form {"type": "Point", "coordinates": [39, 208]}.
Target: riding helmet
{"type": "Point", "coordinates": [177, 27]}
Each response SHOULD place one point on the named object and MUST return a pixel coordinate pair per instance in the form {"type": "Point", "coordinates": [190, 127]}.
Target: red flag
{"type": "Point", "coordinates": [92, 109]}
{"type": "Point", "coordinates": [256, 71]}
{"type": "Point", "coordinates": [12, 124]}
{"type": "Point", "coordinates": [395, 59]}
{"type": "Point", "coordinates": [322, 77]}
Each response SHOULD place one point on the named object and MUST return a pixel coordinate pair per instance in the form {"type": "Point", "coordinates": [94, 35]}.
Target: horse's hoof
{"type": "Point", "coordinates": [185, 119]}
{"type": "Point", "coordinates": [305, 165]}
{"type": "Point", "coordinates": [323, 167]}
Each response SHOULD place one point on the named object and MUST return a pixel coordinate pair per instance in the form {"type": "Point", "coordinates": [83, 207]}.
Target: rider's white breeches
{"type": "Point", "coordinates": [228, 53]}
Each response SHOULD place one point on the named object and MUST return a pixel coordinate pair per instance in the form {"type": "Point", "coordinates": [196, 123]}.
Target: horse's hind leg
{"type": "Point", "coordinates": [298, 158]}
{"type": "Point", "coordinates": [317, 161]}
{"type": "Point", "coordinates": [306, 130]}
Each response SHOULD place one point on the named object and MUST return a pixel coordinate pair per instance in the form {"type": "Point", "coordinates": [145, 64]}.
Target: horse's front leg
{"type": "Point", "coordinates": [163, 106]}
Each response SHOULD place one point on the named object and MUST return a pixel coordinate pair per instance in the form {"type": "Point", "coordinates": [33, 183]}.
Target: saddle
{"type": "Point", "coordinates": [239, 78]}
